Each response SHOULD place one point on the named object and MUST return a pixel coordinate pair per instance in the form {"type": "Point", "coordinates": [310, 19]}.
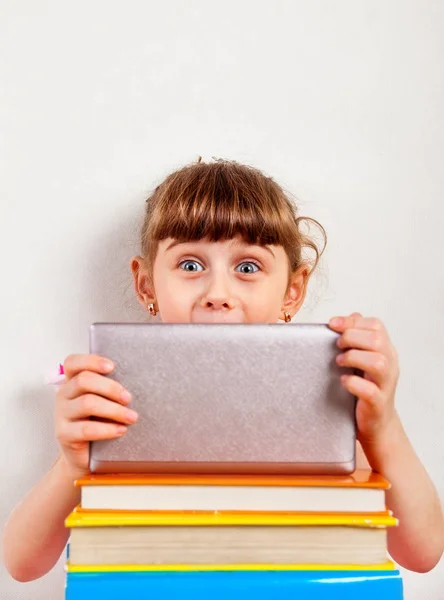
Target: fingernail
{"type": "Point", "coordinates": [132, 416]}
{"type": "Point", "coordinates": [107, 365]}
{"type": "Point", "coordinates": [337, 321]}
{"type": "Point", "coordinates": [121, 429]}
{"type": "Point", "coordinates": [340, 358]}
{"type": "Point", "coordinates": [126, 396]}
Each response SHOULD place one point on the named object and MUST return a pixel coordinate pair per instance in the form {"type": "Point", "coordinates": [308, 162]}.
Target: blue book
{"type": "Point", "coordinates": [235, 585]}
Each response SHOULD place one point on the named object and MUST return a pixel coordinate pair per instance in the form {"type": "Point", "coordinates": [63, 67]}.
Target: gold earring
{"type": "Point", "coordinates": [287, 317]}
{"type": "Point", "coordinates": [152, 310]}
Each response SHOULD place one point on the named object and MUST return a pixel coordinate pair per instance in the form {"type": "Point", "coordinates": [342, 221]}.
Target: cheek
{"type": "Point", "coordinates": [174, 306]}
{"type": "Point", "coordinates": [272, 289]}
{"type": "Point", "coordinates": [174, 298]}
{"type": "Point", "coordinates": [264, 300]}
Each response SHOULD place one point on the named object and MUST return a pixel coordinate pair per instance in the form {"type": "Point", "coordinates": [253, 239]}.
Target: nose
{"type": "Point", "coordinates": [218, 295]}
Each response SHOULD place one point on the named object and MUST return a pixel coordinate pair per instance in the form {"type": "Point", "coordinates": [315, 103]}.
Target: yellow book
{"type": "Point", "coordinates": [96, 518]}
{"type": "Point", "coordinates": [202, 538]}
{"type": "Point", "coordinates": [385, 566]}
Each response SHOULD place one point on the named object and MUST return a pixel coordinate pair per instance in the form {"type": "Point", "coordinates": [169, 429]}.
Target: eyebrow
{"type": "Point", "coordinates": [178, 242]}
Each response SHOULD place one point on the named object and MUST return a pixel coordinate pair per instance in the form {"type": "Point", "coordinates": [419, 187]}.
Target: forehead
{"type": "Point", "coordinates": [233, 244]}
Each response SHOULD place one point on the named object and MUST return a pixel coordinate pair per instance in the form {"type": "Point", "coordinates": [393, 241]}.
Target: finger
{"type": "Point", "coordinates": [374, 364]}
{"type": "Point", "coordinates": [362, 388]}
{"type": "Point", "coordinates": [89, 431]}
{"type": "Point", "coordinates": [90, 405]}
{"type": "Point", "coordinates": [75, 363]}
{"type": "Point", "coordinates": [87, 382]}
{"type": "Point", "coordinates": [356, 321]}
{"type": "Point", "coordinates": [364, 339]}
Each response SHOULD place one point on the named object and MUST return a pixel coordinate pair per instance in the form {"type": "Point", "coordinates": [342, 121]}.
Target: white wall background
{"type": "Point", "coordinates": [341, 101]}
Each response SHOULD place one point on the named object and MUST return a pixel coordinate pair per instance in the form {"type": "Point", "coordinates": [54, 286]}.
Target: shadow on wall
{"type": "Point", "coordinates": [108, 276]}
{"type": "Point", "coordinates": [36, 405]}
{"type": "Point", "coordinates": [34, 420]}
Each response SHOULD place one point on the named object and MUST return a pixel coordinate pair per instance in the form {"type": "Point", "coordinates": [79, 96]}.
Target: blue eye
{"type": "Point", "coordinates": [189, 262]}
{"type": "Point", "coordinates": [249, 264]}
{"type": "Point", "coordinates": [191, 267]}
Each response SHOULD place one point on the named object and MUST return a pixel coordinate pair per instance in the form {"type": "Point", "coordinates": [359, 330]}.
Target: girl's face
{"type": "Point", "coordinates": [220, 282]}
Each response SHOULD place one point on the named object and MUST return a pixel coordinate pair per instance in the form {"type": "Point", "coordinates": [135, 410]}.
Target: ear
{"type": "Point", "coordinates": [296, 290]}
{"type": "Point", "coordinates": [142, 281]}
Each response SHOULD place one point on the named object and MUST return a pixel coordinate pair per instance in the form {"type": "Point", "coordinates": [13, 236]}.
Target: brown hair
{"type": "Point", "coordinates": [219, 201]}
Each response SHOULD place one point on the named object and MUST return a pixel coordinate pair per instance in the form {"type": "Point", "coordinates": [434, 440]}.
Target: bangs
{"type": "Point", "coordinates": [220, 201]}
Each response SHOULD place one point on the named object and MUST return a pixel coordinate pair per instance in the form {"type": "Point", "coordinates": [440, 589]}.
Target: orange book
{"type": "Point", "coordinates": [361, 492]}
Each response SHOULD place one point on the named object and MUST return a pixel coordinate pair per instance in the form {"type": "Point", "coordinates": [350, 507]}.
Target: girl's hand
{"type": "Point", "coordinates": [88, 393]}
{"type": "Point", "coordinates": [366, 346]}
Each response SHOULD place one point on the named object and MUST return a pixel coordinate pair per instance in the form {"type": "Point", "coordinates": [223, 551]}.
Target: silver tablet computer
{"type": "Point", "coordinates": [228, 398]}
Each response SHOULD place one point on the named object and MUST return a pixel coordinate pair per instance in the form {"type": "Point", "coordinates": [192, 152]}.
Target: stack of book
{"type": "Point", "coordinates": [238, 537]}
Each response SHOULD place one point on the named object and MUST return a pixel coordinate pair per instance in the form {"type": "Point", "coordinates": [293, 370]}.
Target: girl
{"type": "Point", "coordinates": [221, 242]}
